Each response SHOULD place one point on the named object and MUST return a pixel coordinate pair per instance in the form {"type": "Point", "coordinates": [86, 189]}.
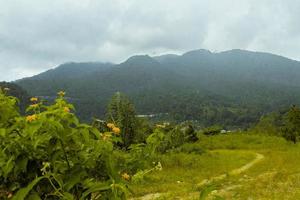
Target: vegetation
{"type": "Point", "coordinates": [122, 113]}
{"type": "Point", "coordinates": [49, 154]}
{"type": "Point", "coordinates": [232, 88]}
{"type": "Point", "coordinates": [292, 126]}
{"type": "Point", "coordinates": [18, 92]}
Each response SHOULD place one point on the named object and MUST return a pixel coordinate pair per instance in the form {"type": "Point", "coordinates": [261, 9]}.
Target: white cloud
{"type": "Point", "coordinates": [37, 35]}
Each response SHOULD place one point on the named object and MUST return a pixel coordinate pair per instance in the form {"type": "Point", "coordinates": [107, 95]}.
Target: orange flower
{"type": "Point", "coordinates": [31, 118]}
{"type": "Point", "coordinates": [33, 99]}
{"type": "Point", "coordinates": [126, 176]}
{"type": "Point", "coordinates": [61, 93]}
{"type": "Point", "coordinates": [66, 109]}
{"type": "Point", "coordinates": [110, 125]}
{"type": "Point", "coordinates": [116, 130]}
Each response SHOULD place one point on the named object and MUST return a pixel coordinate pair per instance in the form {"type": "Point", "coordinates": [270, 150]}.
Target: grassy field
{"type": "Point", "coordinates": [276, 176]}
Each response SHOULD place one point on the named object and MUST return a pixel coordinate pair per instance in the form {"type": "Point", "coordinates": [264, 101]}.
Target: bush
{"type": "Point", "coordinates": [213, 130]}
{"type": "Point", "coordinates": [190, 148]}
{"type": "Point", "coordinates": [49, 154]}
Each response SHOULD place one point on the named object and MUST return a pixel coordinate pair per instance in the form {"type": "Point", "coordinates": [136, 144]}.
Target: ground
{"type": "Point", "coordinates": [235, 166]}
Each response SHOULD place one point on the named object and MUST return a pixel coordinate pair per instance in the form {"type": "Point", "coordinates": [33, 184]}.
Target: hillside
{"type": "Point", "coordinates": [230, 88]}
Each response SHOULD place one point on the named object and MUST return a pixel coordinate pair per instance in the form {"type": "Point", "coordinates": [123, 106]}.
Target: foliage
{"type": "Point", "coordinates": [143, 130]}
{"type": "Point", "coordinates": [16, 91]}
{"type": "Point", "coordinates": [291, 130]}
{"type": "Point", "coordinates": [233, 88]}
{"type": "Point", "coordinates": [49, 154]}
{"type": "Point", "coordinates": [212, 130]}
{"type": "Point", "coordinates": [121, 112]}
{"type": "Point", "coordinates": [168, 137]}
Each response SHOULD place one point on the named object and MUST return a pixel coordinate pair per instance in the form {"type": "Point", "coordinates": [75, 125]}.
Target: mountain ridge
{"type": "Point", "coordinates": [235, 82]}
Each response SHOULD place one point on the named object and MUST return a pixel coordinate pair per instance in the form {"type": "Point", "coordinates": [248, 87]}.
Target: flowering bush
{"type": "Point", "coordinates": [49, 154]}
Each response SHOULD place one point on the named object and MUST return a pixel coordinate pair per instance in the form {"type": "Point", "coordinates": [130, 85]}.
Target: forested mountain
{"type": "Point", "coordinates": [231, 88]}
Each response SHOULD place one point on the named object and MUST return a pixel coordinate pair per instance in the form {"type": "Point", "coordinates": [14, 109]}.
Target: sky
{"type": "Point", "coordinates": [36, 35]}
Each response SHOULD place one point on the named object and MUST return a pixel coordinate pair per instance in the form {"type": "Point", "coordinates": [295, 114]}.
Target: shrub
{"type": "Point", "coordinates": [49, 154]}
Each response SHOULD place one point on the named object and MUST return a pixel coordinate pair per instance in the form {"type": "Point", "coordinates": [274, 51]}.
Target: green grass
{"type": "Point", "coordinates": [277, 176]}
{"type": "Point", "coordinates": [183, 172]}
{"type": "Point", "coordinates": [243, 141]}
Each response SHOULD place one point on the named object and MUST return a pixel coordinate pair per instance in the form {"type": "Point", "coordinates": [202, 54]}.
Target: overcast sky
{"type": "Point", "coordinates": [36, 35]}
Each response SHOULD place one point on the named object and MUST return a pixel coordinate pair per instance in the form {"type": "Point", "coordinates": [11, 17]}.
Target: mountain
{"type": "Point", "coordinates": [231, 88]}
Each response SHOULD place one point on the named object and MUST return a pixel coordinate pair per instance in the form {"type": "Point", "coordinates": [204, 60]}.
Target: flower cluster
{"type": "Point", "coordinates": [66, 109]}
{"type": "Point", "coordinates": [31, 118]}
{"type": "Point", "coordinates": [126, 176]}
{"type": "Point", "coordinates": [114, 129]}
{"type": "Point", "coordinates": [61, 93]}
{"type": "Point", "coordinates": [33, 99]}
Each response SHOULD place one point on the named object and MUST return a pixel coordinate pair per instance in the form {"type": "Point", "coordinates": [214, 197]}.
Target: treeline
{"type": "Point", "coordinates": [285, 123]}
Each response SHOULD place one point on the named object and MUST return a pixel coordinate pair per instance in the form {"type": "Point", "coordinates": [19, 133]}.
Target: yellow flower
{"type": "Point", "coordinates": [31, 118]}
{"type": "Point", "coordinates": [126, 176]}
{"type": "Point", "coordinates": [61, 93]}
{"type": "Point", "coordinates": [116, 130]}
{"type": "Point", "coordinates": [66, 109]}
{"type": "Point", "coordinates": [33, 99]}
{"type": "Point", "coordinates": [110, 125]}
{"type": "Point", "coordinates": [34, 105]}
{"type": "Point", "coordinates": [106, 136]}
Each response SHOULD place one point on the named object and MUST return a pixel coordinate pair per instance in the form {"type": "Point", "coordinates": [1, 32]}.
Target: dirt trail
{"type": "Point", "coordinates": [234, 172]}
{"type": "Point", "coordinates": [206, 182]}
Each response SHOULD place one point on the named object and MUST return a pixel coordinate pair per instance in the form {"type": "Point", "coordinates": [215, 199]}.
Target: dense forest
{"type": "Point", "coordinates": [232, 88]}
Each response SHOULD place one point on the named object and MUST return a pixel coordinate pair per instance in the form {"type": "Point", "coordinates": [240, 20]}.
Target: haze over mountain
{"type": "Point", "coordinates": [231, 87]}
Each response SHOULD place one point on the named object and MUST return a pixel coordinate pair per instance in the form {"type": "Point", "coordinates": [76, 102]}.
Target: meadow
{"type": "Point", "coordinates": [276, 176]}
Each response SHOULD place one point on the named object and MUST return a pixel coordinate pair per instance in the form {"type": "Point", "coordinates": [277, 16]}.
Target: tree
{"type": "Point", "coordinates": [122, 113]}
{"type": "Point", "coordinates": [291, 130]}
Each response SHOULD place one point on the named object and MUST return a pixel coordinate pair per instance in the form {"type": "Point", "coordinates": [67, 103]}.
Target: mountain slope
{"type": "Point", "coordinates": [233, 87]}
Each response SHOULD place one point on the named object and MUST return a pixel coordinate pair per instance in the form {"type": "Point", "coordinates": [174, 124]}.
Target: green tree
{"type": "Point", "coordinates": [291, 129]}
{"type": "Point", "coordinates": [122, 113]}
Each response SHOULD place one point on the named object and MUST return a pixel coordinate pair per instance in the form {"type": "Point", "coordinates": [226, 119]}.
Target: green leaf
{"type": "Point", "coordinates": [33, 196]}
{"type": "Point", "coordinates": [21, 164]}
{"type": "Point", "coordinates": [73, 180]}
{"type": "Point", "coordinates": [8, 167]}
{"type": "Point", "coordinates": [22, 193]}
{"type": "Point", "coordinates": [95, 188]}
{"type": "Point", "coordinates": [68, 196]}
{"type": "Point", "coordinates": [2, 132]}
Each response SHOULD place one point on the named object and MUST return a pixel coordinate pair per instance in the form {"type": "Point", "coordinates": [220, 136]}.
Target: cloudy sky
{"type": "Point", "coordinates": [36, 35]}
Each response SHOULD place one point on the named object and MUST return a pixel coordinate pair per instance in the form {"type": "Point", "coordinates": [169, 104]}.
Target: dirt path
{"type": "Point", "coordinates": [207, 182]}
{"type": "Point", "coordinates": [234, 172]}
